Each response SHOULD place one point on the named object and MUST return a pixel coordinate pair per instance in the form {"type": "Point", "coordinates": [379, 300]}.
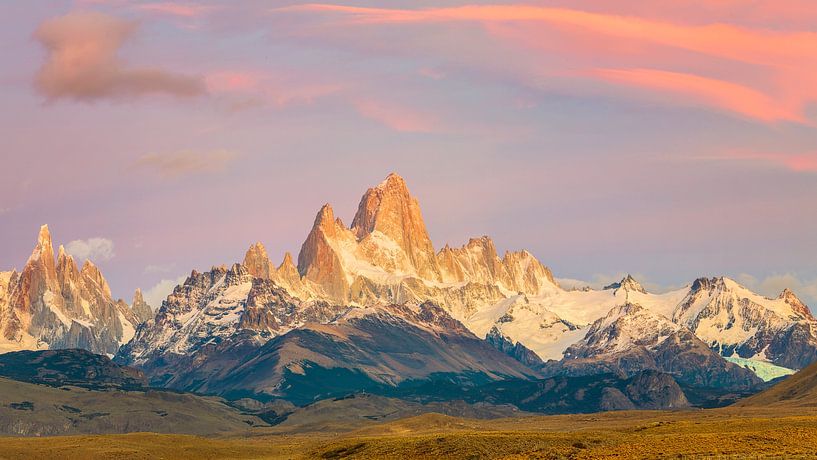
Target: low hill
{"type": "Point", "coordinates": [74, 367]}
{"type": "Point", "coordinates": [28, 409]}
{"type": "Point", "coordinates": [799, 390]}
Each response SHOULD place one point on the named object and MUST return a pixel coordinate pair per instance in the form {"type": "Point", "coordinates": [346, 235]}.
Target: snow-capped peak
{"type": "Point", "coordinates": [628, 283]}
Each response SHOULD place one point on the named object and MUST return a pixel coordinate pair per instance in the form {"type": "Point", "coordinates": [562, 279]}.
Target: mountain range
{"type": "Point", "coordinates": [52, 303]}
{"type": "Point", "coordinates": [375, 306]}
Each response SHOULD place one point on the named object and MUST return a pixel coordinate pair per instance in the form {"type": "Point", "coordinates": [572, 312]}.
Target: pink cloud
{"type": "Point", "coordinates": [187, 10]}
{"type": "Point", "coordinates": [776, 69]}
{"type": "Point", "coordinates": [395, 117]}
{"type": "Point", "coordinates": [82, 62]}
{"type": "Point", "coordinates": [254, 88]}
{"type": "Point", "coordinates": [233, 81]}
{"type": "Point", "coordinates": [698, 90]}
{"type": "Point", "coordinates": [800, 162]}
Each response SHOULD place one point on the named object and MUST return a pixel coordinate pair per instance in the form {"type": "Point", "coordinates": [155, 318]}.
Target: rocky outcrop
{"type": "Point", "coordinates": [516, 350]}
{"type": "Point", "coordinates": [140, 308]}
{"type": "Point", "coordinates": [54, 304]}
{"type": "Point", "coordinates": [628, 284]}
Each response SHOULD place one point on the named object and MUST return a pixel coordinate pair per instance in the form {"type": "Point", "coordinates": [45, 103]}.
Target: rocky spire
{"type": "Point", "coordinates": [796, 304]}
{"type": "Point", "coordinates": [287, 272]}
{"type": "Point", "coordinates": [318, 261]}
{"type": "Point", "coordinates": [392, 211]}
{"type": "Point", "coordinates": [140, 308]}
{"type": "Point", "coordinates": [39, 276]}
{"type": "Point", "coordinates": [43, 257]}
{"type": "Point", "coordinates": [92, 273]}
{"type": "Point", "coordinates": [67, 270]}
{"type": "Point", "coordinates": [257, 262]}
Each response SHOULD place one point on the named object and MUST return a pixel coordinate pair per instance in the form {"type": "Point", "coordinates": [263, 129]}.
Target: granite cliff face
{"type": "Point", "coordinates": [386, 256]}
{"type": "Point", "coordinates": [54, 304]}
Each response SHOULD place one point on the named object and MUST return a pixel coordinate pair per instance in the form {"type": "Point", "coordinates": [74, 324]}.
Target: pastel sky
{"type": "Point", "coordinates": [671, 139]}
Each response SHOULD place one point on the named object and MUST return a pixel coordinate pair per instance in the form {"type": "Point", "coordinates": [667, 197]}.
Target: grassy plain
{"type": "Point", "coordinates": [722, 433]}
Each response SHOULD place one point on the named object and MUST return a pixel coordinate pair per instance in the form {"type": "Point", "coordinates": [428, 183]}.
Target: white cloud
{"type": "Point", "coordinates": [96, 249]}
{"type": "Point", "coordinates": [167, 268]}
{"type": "Point", "coordinates": [159, 292]}
{"type": "Point", "coordinates": [570, 283]}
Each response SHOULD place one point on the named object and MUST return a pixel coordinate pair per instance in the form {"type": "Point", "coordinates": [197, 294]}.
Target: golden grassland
{"type": "Point", "coordinates": [725, 433]}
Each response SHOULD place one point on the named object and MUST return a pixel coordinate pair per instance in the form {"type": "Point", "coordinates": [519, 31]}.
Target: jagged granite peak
{"type": "Point", "coordinates": [140, 308]}
{"type": "Point", "coordinates": [318, 260]}
{"type": "Point", "coordinates": [287, 263]}
{"type": "Point", "coordinates": [257, 261]}
{"type": "Point", "coordinates": [390, 209]}
{"type": "Point", "coordinates": [93, 273]}
{"type": "Point", "coordinates": [56, 305]}
{"type": "Point", "coordinates": [478, 262]}
{"type": "Point", "coordinates": [628, 283]}
{"type": "Point", "coordinates": [387, 257]}
{"type": "Point", "coordinates": [41, 267]}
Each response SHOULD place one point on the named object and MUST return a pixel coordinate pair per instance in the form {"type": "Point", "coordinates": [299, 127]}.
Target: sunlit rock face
{"type": "Point", "coordinates": [54, 304]}
{"type": "Point", "coordinates": [140, 308]}
{"type": "Point", "coordinates": [386, 256]}
{"type": "Point", "coordinates": [389, 211]}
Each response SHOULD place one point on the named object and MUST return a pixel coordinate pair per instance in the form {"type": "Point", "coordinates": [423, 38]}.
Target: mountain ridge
{"type": "Point", "coordinates": [52, 303]}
